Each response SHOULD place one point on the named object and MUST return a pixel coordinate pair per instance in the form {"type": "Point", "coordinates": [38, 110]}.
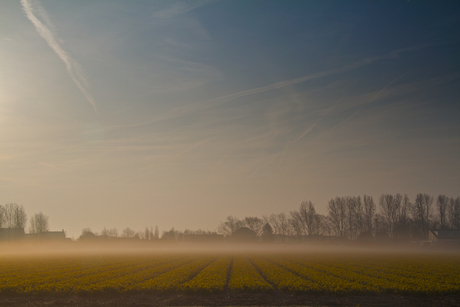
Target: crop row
{"type": "Point", "coordinates": [374, 278]}
{"type": "Point", "coordinates": [213, 278]}
{"type": "Point", "coordinates": [212, 273]}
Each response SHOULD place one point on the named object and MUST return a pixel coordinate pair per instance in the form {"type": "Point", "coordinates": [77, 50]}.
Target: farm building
{"type": "Point", "coordinates": [444, 236]}
{"type": "Point", "coordinates": [46, 235]}
{"type": "Point", "coordinates": [244, 234]}
{"type": "Point", "coordinates": [13, 234]}
{"type": "Point", "coordinates": [9, 234]}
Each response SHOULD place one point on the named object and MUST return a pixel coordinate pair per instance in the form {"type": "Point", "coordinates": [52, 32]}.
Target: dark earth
{"type": "Point", "coordinates": [229, 299]}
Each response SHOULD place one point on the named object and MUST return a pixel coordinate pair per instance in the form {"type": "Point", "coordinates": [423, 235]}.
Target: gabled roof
{"type": "Point", "coordinates": [244, 231]}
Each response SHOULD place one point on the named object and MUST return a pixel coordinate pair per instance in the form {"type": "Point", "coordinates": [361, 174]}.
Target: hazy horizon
{"type": "Point", "coordinates": [180, 113]}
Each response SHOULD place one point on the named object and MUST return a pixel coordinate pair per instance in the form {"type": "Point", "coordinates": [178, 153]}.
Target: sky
{"type": "Point", "coordinates": [180, 113]}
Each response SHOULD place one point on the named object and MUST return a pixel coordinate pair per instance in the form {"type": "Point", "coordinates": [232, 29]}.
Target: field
{"type": "Point", "coordinates": [314, 273]}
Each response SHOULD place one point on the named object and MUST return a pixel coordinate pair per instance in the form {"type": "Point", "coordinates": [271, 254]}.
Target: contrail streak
{"type": "Point", "coordinates": [304, 134]}
{"type": "Point", "coordinates": [367, 61]}
{"type": "Point", "coordinates": [378, 94]}
{"type": "Point", "coordinates": [370, 101]}
{"type": "Point", "coordinates": [45, 32]}
{"type": "Point", "coordinates": [346, 68]}
{"type": "Point", "coordinates": [48, 165]}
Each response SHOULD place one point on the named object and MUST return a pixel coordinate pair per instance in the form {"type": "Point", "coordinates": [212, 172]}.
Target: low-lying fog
{"type": "Point", "coordinates": [8, 250]}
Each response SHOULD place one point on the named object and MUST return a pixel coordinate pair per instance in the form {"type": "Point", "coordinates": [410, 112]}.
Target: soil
{"type": "Point", "coordinates": [229, 299]}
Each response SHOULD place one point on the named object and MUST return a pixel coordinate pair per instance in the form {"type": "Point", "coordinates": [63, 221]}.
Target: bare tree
{"type": "Point", "coordinates": [157, 233]}
{"type": "Point", "coordinates": [454, 213]}
{"type": "Point", "coordinates": [2, 216]}
{"type": "Point", "coordinates": [442, 204]}
{"type": "Point", "coordinates": [14, 216]}
{"type": "Point", "coordinates": [353, 208]}
{"type": "Point", "coordinates": [326, 226]}
{"type": "Point", "coordinates": [381, 227]}
{"type": "Point", "coordinates": [128, 233]}
{"type": "Point", "coordinates": [38, 223]}
{"type": "Point", "coordinates": [149, 233]}
{"type": "Point", "coordinates": [337, 214]}
{"type": "Point", "coordinates": [86, 233]}
{"type": "Point", "coordinates": [359, 216]}
{"type": "Point", "coordinates": [296, 223]}
{"type": "Point", "coordinates": [390, 205]}
{"type": "Point", "coordinates": [254, 223]}
{"type": "Point", "coordinates": [308, 214]}
{"type": "Point", "coordinates": [369, 212]}
{"type": "Point", "coordinates": [230, 225]}
{"type": "Point", "coordinates": [421, 212]}
{"type": "Point", "coordinates": [402, 224]}
{"type": "Point", "coordinates": [279, 223]}
{"type": "Point", "coordinates": [170, 235]}
{"type": "Point", "coordinates": [146, 234]}
{"type": "Point", "coordinates": [112, 232]}
{"type": "Point", "coordinates": [283, 224]}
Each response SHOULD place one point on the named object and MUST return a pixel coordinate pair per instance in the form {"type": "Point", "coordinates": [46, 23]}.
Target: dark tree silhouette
{"type": "Point", "coordinates": [38, 223]}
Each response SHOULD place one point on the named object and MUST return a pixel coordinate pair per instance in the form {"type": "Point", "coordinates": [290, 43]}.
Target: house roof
{"type": "Point", "coordinates": [244, 231]}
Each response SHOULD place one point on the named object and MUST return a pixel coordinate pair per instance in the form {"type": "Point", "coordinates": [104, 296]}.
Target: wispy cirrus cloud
{"type": "Point", "coordinates": [395, 54]}
{"type": "Point", "coordinates": [34, 12]}
{"type": "Point", "coordinates": [49, 165]}
{"type": "Point", "coordinates": [180, 8]}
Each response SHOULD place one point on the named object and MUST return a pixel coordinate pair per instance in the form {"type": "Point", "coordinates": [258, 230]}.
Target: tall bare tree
{"type": "Point", "coordinates": [38, 223]}
{"type": "Point", "coordinates": [157, 233]}
{"type": "Point", "coordinates": [254, 223]}
{"type": "Point", "coordinates": [402, 225]}
{"type": "Point", "coordinates": [353, 211]}
{"type": "Point", "coordinates": [326, 226]}
{"type": "Point", "coordinates": [421, 212]}
{"type": "Point", "coordinates": [454, 213]}
{"type": "Point", "coordinates": [381, 226]}
{"type": "Point", "coordinates": [128, 233]}
{"type": "Point", "coordinates": [442, 204]}
{"type": "Point", "coordinates": [14, 216]}
{"type": "Point", "coordinates": [308, 214]}
{"type": "Point", "coordinates": [2, 216]}
{"type": "Point", "coordinates": [112, 232]}
{"type": "Point", "coordinates": [296, 223]}
{"type": "Point", "coordinates": [369, 212]}
{"type": "Point", "coordinates": [338, 213]}
{"type": "Point", "coordinates": [283, 224]}
{"type": "Point", "coordinates": [390, 205]}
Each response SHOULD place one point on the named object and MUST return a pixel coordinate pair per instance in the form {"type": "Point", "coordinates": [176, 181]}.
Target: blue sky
{"type": "Point", "coordinates": [139, 113]}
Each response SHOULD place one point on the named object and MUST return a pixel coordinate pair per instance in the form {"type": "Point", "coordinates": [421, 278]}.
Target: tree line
{"type": "Point", "coordinates": [355, 217]}
{"type": "Point", "coordinates": [352, 217]}
{"type": "Point", "coordinates": [13, 215]}
{"type": "Point", "coordinates": [147, 234]}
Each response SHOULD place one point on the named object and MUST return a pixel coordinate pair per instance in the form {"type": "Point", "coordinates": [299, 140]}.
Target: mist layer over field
{"type": "Point", "coordinates": [44, 249]}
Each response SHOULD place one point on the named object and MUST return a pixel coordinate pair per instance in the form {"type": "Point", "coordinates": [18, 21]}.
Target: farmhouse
{"type": "Point", "coordinates": [14, 234]}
